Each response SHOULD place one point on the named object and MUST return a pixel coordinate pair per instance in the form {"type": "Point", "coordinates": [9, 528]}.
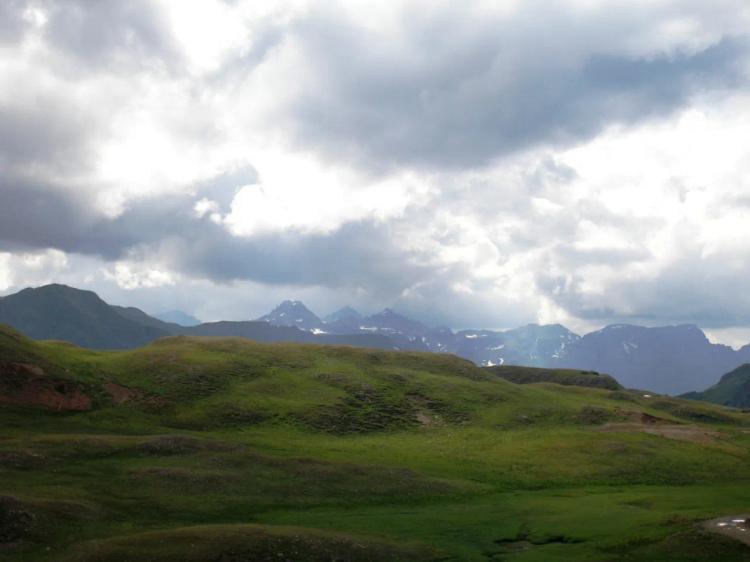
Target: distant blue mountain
{"type": "Point", "coordinates": [178, 317]}
{"type": "Point", "coordinates": [667, 359]}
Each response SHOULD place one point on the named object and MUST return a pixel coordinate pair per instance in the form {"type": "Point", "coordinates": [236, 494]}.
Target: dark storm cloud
{"type": "Point", "coordinates": [458, 90]}
{"type": "Point", "coordinates": [222, 188]}
{"type": "Point", "coordinates": [359, 254]}
{"type": "Point", "coordinates": [45, 134]}
{"type": "Point", "coordinates": [38, 216]}
{"type": "Point", "coordinates": [694, 289]}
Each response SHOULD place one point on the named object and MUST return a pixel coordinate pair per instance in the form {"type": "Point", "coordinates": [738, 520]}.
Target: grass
{"type": "Point", "coordinates": [528, 375]}
{"type": "Point", "coordinates": [231, 450]}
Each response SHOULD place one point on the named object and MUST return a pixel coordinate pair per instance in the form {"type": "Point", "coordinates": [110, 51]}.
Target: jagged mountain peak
{"type": "Point", "coordinates": [390, 313]}
{"type": "Point", "coordinates": [292, 313]}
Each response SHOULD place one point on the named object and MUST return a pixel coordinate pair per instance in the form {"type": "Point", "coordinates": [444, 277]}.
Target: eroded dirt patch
{"type": "Point", "coordinates": [21, 460]}
{"type": "Point", "coordinates": [636, 416]}
{"type": "Point", "coordinates": [637, 421]}
{"type": "Point", "coordinates": [120, 394]}
{"type": "Point", "coordinates": [734, 526]}
{"type": "Point", "coordinates": [691, 433]}
{"type": "Point", "coordinates": [366, 409]}
{"type": "Point", "coordinates": [23, 384]}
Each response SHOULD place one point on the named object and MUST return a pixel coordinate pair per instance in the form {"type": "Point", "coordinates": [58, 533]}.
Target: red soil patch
{"type": "Point", "coordinates": [119, 393]}
{"type": "Point", "coordinates": [22, 384]}
{"type": "Point", "coordinates": [640, 417]}
{"type": "Point", "coordinates": [692, 433]}
{"type": "Point", "coordinates": [646, 423]}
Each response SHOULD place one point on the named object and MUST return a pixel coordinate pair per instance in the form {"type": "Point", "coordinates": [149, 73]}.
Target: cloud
{"type": "Point", "coordinates": [458, 87]}
{"type": "Point", "coordinates": [12, 21]}
{"type": "Point", "coordinates": [93, 36]}
{"type": "Point", "coordinates": [168, 231]}
{"type": "Point", "coordinates": [102, 31]}
{"type": "Point", "coordinates": [695, 289]}
{"type": "Point", "coordinates": [489, 164]}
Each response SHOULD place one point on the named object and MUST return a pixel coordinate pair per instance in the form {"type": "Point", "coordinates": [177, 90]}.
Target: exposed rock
{"type": "Point", "coordinates": [119, 393]}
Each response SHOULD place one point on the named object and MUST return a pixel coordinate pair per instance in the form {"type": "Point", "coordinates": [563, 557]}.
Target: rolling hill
{"type": "Point", "coordinates": [200, 448]}
{"type": "Point", "coordinates": [81, 317]}
{"type": "Point", "coordinates": [733, 389]}
{"type": "Point", "coordinates": [567, 377]}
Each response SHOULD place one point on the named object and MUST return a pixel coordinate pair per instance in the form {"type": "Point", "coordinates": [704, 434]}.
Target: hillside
{"type": "Point", "coordinates": [733, 389]}
{"type": "Point", "coordinates": [195, 448]}
{"type": "Point", "coordinates": [80, 317]}
{"type": "Point", "coordinates": [530, 375]}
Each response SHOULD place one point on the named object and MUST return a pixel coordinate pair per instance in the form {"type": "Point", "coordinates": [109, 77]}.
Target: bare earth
{"type": "Point", "coordinates": [734, 526]}
{"type": "Point", "coordinates": [691, 433]}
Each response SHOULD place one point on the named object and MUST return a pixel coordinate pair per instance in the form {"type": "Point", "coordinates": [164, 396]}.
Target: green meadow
{"type": "Point", "coordinates": [226, 450]}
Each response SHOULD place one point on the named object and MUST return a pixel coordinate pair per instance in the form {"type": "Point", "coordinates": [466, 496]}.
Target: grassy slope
{"type": "Point", "coordinates": [528, 375]}
{"type": "Point", "coordinates": [248, 451]}
{"type": "Point", "coordinates": [732, 390]}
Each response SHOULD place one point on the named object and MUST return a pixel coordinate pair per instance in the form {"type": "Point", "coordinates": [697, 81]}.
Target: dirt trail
{"type": "Point", "coordinates": [734, 526]}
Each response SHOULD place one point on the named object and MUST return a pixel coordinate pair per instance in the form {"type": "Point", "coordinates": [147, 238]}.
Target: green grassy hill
{"type": "Point", "coordinates": [732, 390]}
{"type": "Point", "coordinates": [225, 449]}
{"type": "Point", "coordinates": [61, 312]}
{"type": "Point", "coordinates": [528, 375]}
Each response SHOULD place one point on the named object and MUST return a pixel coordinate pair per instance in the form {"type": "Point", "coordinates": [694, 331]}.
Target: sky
{"type": "Point", "coordinates": [472, 164]}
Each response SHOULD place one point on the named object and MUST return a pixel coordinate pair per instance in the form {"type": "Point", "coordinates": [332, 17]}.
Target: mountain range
{"type": "Point", "coordinates": [668, 359]}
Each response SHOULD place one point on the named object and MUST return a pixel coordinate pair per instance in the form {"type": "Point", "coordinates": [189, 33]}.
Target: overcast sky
{"type": "Point", "coordinates": [483, 164]}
